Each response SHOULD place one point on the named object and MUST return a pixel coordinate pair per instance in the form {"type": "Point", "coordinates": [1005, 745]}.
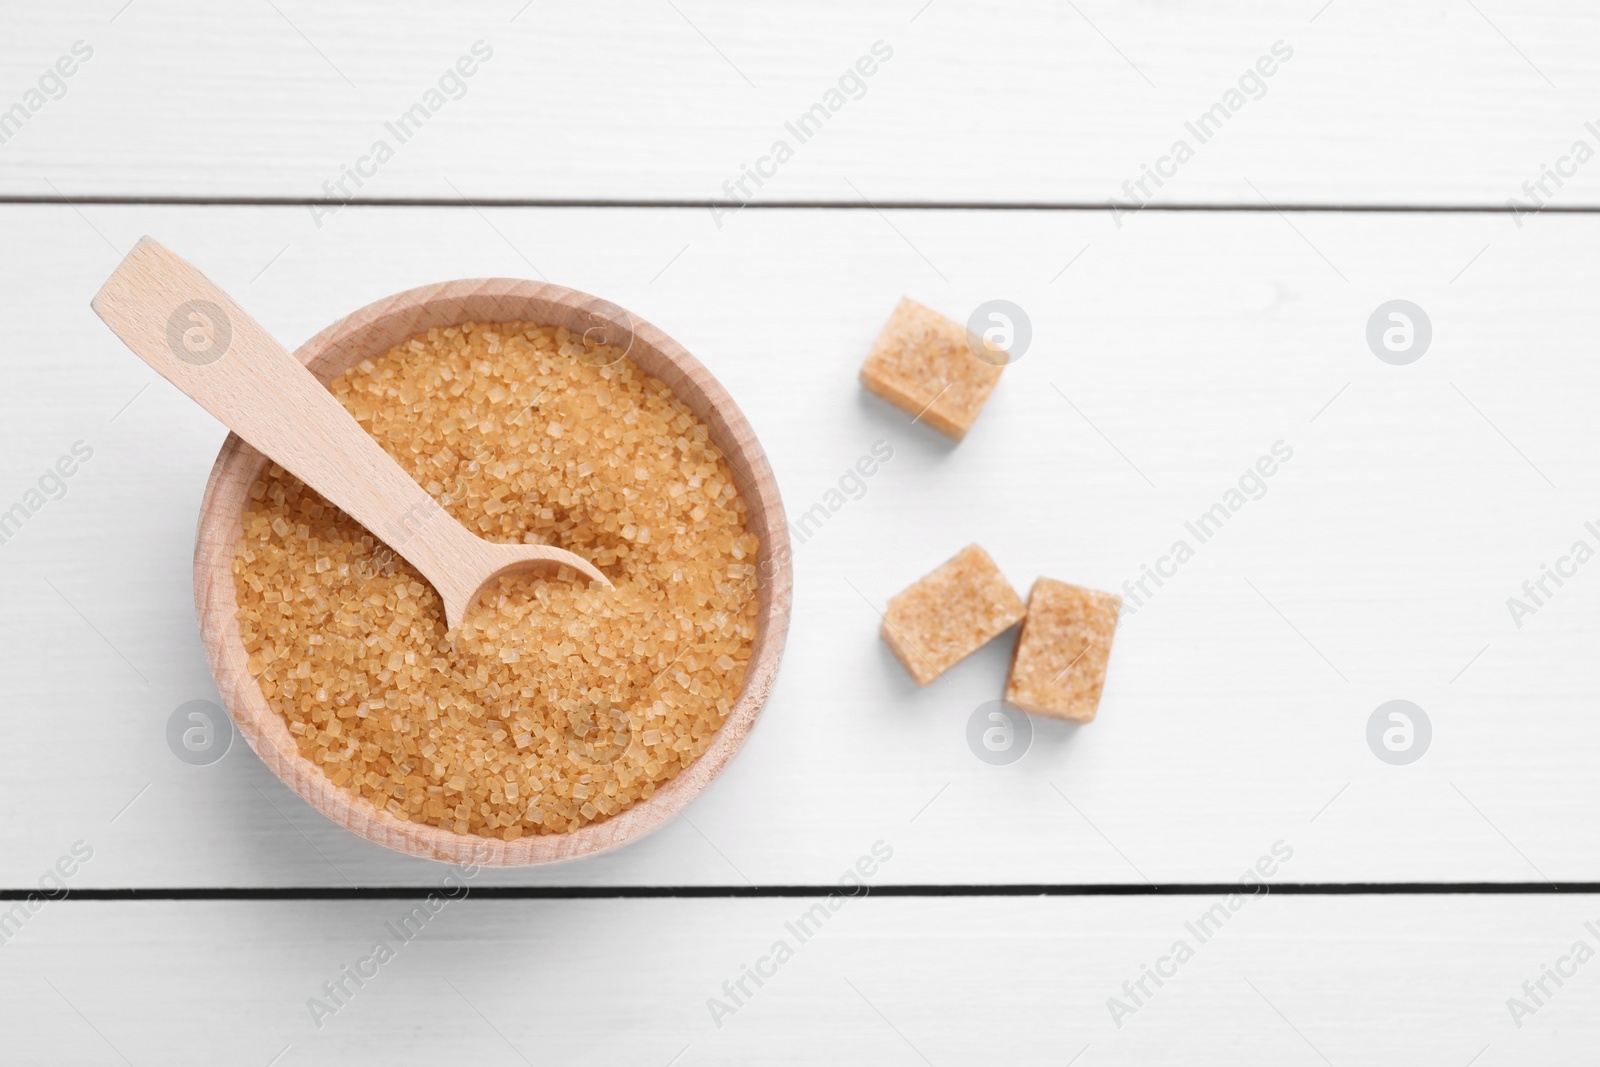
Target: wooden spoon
{"type": "Point", "coordinates": [176, 320]}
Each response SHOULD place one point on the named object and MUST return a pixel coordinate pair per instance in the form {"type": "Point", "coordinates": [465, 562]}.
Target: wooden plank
{"type": "Point", "coordinates": [1166, 358]}
{"type": "Point", "coordinates": [1024, 981]}
{"type": "Point", "coordinates": [1366, 102]}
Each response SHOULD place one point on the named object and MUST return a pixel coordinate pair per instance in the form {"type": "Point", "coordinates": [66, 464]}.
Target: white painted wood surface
{"type": "Point", "coordinates": [1167, 356]}
{"type": "Point", "coordinates": [1416, 103]}
{"type": "Point", "coordinates": [1365, 980]}
{"type": "Point", "coordinates": [1169, 353]}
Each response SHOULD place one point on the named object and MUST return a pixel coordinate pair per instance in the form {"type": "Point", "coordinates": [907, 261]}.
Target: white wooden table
{"type": "Point", "coordinates": [1382, 158]}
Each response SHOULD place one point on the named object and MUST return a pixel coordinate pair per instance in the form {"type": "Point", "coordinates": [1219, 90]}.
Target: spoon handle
{"type": "Point", "coordinates": [176, 320]}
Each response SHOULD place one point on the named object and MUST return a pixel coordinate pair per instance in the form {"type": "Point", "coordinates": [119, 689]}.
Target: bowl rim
{"type": "Point", "coordinates": [358, 336]}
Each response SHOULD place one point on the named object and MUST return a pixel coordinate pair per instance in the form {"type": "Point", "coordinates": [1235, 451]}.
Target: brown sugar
{"type": "Point", "coordinates": [923, 363]}
{"type": "Point", "coordinates": [555, 704]}
{"type": "Point", "coordinates": [960, 607]}
{"type": "Point", "coordinates": [1059, 666]}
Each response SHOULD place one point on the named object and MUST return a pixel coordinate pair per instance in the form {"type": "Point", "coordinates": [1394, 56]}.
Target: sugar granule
{"type": "Point", "coordinates": [556, 704]}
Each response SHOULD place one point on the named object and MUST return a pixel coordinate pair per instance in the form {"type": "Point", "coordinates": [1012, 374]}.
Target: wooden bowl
{"type": "Point", "coordinates": [371, 332]}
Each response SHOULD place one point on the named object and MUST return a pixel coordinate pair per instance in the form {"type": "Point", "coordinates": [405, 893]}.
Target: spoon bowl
{"type": "Point", "coordinates": [372, 331]}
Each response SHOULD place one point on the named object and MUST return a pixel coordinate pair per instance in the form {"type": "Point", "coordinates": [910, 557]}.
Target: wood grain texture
{"type": "Point", "coordinates": [373, 330]}
{"type": "Point", "coordinates": [1411, 103]}
{"type": "Point", "coordinates": [1285, 980]}
{"type": "Point", "coordinates": [1165, 360]}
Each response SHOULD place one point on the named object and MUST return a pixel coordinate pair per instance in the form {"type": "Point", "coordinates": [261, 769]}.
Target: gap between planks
{"type": "Point", "coordinates": [527, 892]}
{"type": "Point", "coordinates": [791, 205]}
